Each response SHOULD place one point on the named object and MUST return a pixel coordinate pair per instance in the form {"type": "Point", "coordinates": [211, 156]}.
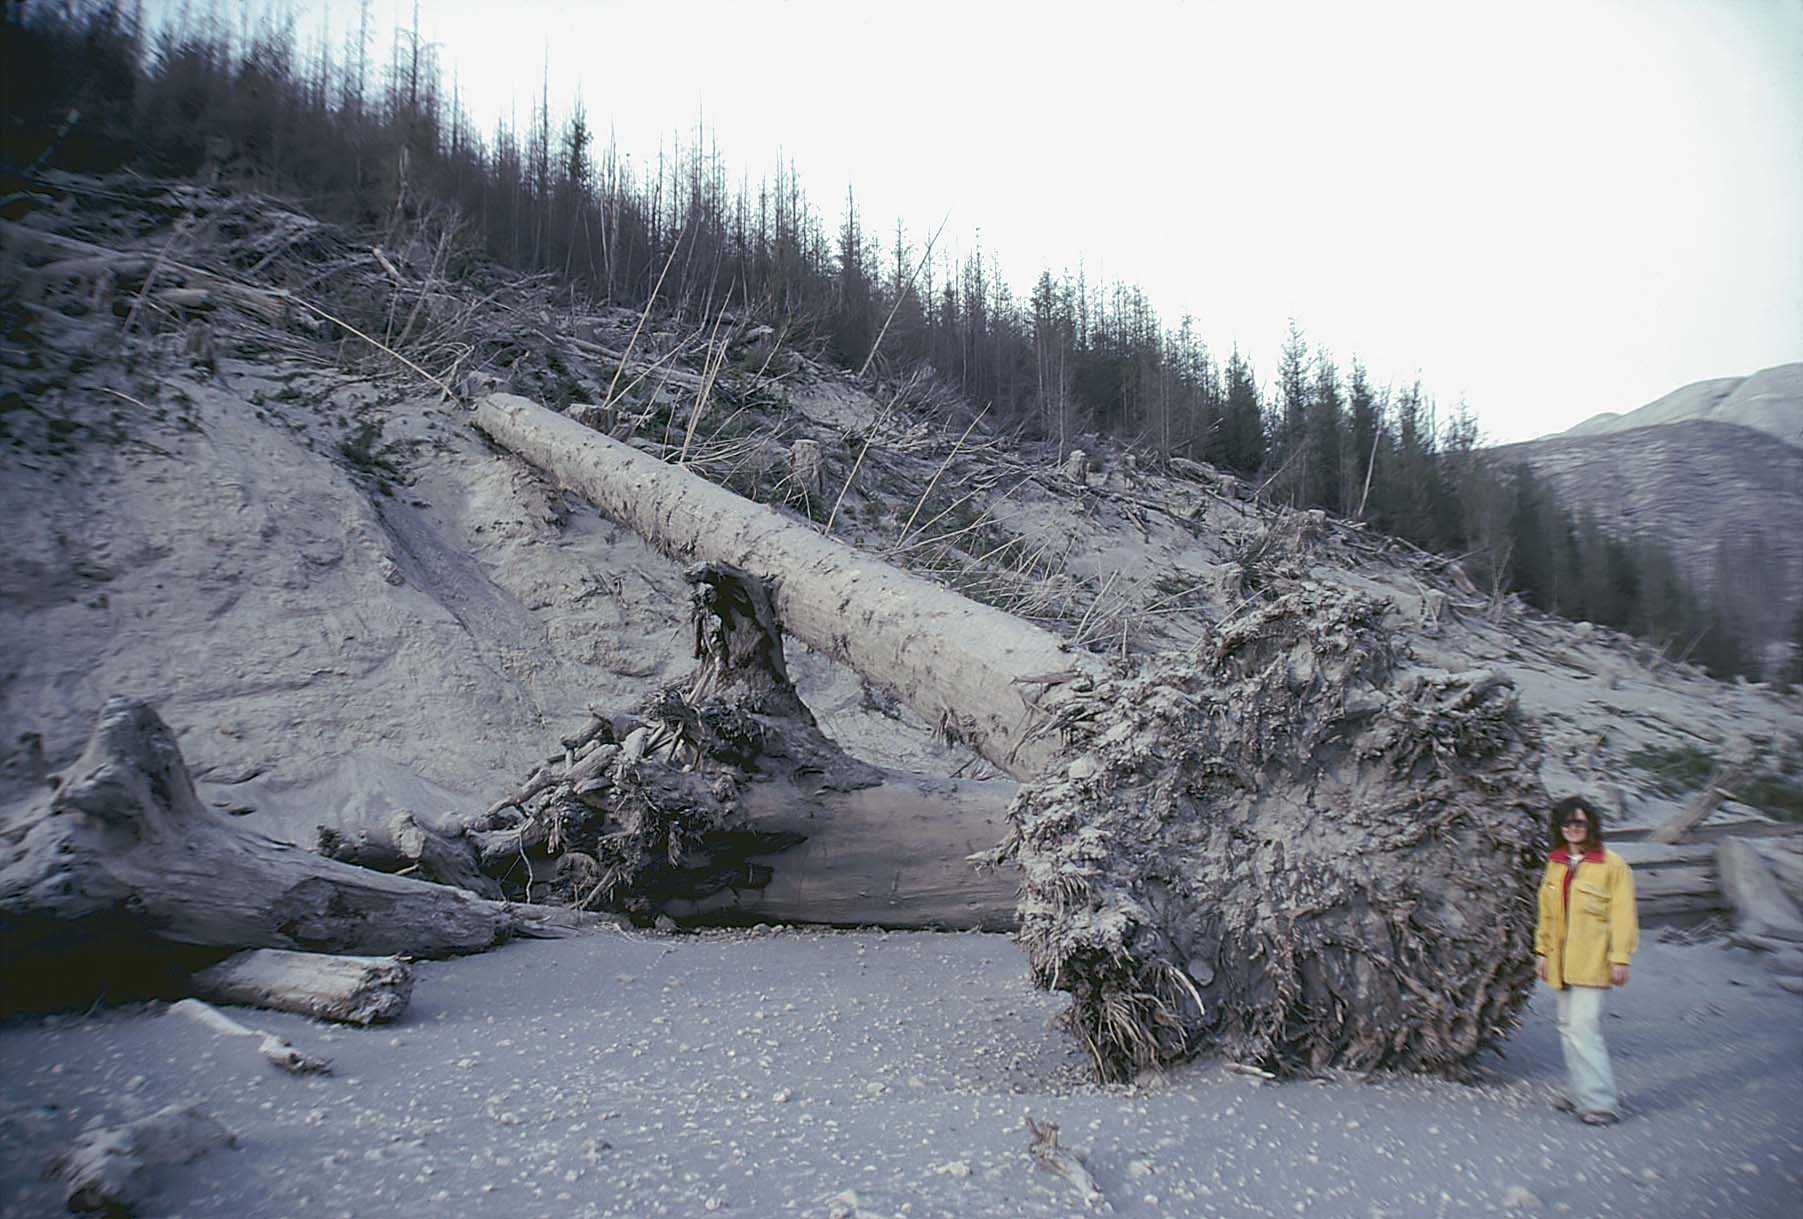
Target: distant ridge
{"type": "Point", "coordinates": [1769, 401]}
{"type": "Point", "coordinates": [1698, 469]}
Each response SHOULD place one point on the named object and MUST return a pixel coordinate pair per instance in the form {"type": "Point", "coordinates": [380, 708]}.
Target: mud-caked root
{"type": "Point", "coordinates": [1294, 847]}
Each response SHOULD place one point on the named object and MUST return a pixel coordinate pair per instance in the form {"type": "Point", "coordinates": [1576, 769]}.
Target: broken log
{"type": "Point", "coordinates": [952, 660]}
{"type": "Point", "coordinates": [119, 881]}
{"type": "Point", "coordinates": [1675, 882]}
{"type": "Point", "coordinates": [350, 990]}
{"type": "Point", "coordinates": [402, 844]}
{"type": "Point", "coordinates": [1762, 911]}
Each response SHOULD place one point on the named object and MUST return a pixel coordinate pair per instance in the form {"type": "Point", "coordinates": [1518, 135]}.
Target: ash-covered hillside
{"type": "Point", "coordinates": [1714, 471]}
{"type": "Point", "coordinates": [241, 484]}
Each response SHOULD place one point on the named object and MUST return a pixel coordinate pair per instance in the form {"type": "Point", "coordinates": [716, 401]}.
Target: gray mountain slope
{"type": "Point", "coordinates": [345, 601]}
{"type": "Point", "coordinates": [1769, 401]}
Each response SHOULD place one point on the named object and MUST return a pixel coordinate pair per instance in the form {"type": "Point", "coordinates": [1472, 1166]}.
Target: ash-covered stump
{"type": "Point", "coordinates": [725, 803]}
{"type": "Point", "coordinates": [1293, 848]}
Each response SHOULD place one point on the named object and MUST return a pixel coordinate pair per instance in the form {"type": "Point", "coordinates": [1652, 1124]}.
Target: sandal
{"type": "Point", "coordinates": [1597, 1117]}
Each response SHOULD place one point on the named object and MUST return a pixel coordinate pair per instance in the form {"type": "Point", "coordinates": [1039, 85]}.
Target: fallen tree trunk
{"type": "Point", "coordinates": [120, 881]}
{"type": "Point", "coordinates": [1673, 882]}
{"type": "Point", "coordinates": [350, 990]}
{"type": "Point", "coordinates": [984, 676]}
{"type": "Point", "coordinates": [402, 844]}
{"type": "Point", "coordinates": [1294, 847]}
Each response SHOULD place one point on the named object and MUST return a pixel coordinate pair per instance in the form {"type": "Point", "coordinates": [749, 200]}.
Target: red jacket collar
{"type": "Point", "coordinates": [1562, 854]}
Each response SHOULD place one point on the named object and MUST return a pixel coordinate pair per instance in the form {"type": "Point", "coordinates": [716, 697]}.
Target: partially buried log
{"type": "Point", "coordinates": [346, 989]}
{"type": "Point", "coordinates": [119, 881]}
{"type": "Point", "coordinates": [1294, 846]}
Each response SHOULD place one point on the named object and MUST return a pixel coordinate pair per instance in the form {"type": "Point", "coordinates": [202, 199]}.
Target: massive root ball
{"type": "Point", "coordinates": [1292, 848]}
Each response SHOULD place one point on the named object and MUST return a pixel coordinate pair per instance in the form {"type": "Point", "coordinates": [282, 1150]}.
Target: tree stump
{"type": "Point", "coordinates": [119, 881]}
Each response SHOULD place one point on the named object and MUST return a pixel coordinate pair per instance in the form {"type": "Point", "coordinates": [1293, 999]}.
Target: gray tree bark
{"type": "Point", "coordinates": [985, 676]}
{"type": "Point", "coordinates": [119, 881]}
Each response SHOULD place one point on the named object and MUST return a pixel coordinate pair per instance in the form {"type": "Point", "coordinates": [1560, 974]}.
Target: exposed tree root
{"type": "Point", "coordinates": [1289, 849]}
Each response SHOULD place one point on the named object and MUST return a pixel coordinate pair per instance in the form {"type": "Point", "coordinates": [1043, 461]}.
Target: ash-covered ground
{"type": "Point", "coordinates": [820, 1073]}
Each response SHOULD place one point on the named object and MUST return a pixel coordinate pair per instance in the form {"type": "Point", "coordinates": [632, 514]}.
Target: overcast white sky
{"type": "Point", "coordinates": [1546, 207]}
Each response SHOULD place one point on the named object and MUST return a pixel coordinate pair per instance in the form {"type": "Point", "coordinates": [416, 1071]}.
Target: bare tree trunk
{"type": "Point", "coordinates": [985, 676]}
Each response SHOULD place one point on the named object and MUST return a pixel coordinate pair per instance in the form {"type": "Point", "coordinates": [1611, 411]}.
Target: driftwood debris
{"type": "Point", "coordinates": [1729, 773]}
{"type": "Point", "coordinates": [119, 881]}
{"type": "Point", "coordinates": [401, 844]}
{"type": "Point", "coordinates": [346, 989]}
{"type": "Point", "coordinates": [1293, 847]}
{"type": "Point", "coordinates": [108, 1170]}
{"type": "Point", "coordinates": [1061, 1162]}
{"type": "Point", "coordinates": [727, 804]}
{"type": "Point", "coordinates": [278, 1050]}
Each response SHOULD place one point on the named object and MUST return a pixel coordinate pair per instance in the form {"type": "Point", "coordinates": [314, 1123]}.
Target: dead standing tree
{"type": "Point", "coordinates": [1294, 847]}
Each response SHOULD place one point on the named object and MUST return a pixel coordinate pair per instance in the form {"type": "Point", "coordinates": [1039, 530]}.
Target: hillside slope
{"type": "Point", "coordinates": [345, 601]}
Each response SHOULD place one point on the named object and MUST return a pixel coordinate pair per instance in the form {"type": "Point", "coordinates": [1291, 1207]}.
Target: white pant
{"type": "Point", "coordinates": [1591, 1081]}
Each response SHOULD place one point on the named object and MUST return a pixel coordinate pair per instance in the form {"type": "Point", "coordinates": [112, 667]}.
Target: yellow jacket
{"type": "Point", "coordinates": [1601, 929]}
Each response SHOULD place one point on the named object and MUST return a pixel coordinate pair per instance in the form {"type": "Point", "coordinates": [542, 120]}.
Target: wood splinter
{"type": "Point", "coordinates": [274, 1048]}
{"type": "Point", "coordinates": [1048, 1155]}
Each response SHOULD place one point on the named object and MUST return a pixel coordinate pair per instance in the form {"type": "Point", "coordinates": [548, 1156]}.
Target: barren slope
{"type": "Point", "coordinates": [346, 601]}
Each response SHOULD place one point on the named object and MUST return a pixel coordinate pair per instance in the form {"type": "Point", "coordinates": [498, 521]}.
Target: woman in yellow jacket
{"type": "Point", "coordinates": [1586, 933]}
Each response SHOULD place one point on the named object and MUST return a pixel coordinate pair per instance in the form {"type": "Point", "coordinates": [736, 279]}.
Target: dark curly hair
{"type": "Point", "coordinates": [1593, 841]}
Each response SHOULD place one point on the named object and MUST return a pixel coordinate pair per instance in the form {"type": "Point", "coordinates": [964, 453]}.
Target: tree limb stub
{"type": "Point", "coordinates": [934, 649]}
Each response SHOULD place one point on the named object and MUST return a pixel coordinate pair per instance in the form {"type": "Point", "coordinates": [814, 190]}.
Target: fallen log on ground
{"type": "Point", "coordinates": [1293, 847]}
{"type": "Point", "coordinates": [350, 990]}
{"type": "Point", "coordinates": [119, 881]}
{"type": "Point", "coordinates": [986, 677]}
{"type": "Point", "coordinates": [1677, 882]}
